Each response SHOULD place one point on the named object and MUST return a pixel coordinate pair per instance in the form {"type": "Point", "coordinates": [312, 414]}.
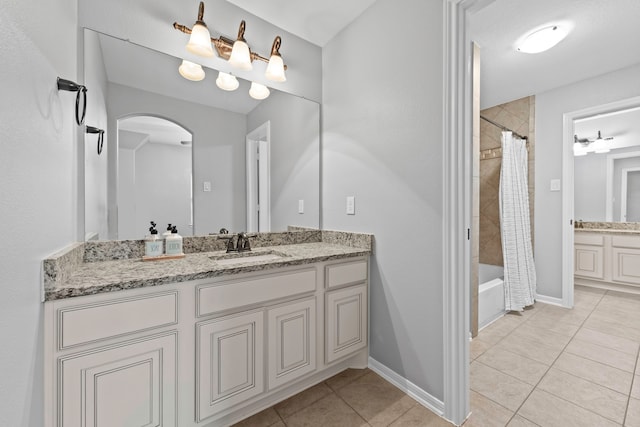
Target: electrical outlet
{"type": "Point", "coordinates": [351, 205]}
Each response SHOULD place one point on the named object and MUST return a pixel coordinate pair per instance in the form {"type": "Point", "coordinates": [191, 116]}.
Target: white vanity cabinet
{"type": "Point", "coordinates": [607, 260]}
{"type": "Point", "coordinates": [203, 353]}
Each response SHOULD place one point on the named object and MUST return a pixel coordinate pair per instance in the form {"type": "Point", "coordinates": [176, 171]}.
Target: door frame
{"type": "Point", "coordinates": [623, 192]}
{"type": "Point", "coordinates": [258, 148]}
{"type": "Point", "coordinates": [568, 186]}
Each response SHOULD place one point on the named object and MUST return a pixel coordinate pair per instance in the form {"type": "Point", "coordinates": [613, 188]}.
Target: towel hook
{"type": "Point", "coordinates": [81, 90]}
{"type": "Point", "coordinates": [100, 132]}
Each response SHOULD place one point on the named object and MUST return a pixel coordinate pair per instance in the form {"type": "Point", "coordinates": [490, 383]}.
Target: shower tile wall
{"type": "Point", "coordinates": [518, 115]}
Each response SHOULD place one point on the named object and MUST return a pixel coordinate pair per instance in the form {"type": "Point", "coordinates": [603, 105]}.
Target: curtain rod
{"type": "Point", "coordinates": [504, 128]}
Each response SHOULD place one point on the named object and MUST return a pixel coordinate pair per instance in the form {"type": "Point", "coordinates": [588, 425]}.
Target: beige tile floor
{"type": "Point", "coordinates": [551, 366]}
{"type": "Point", "coordinates": [547, 366]}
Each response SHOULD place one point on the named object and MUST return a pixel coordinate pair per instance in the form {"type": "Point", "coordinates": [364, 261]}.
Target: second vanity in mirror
{"type": "Point", "coordinates": [191, 154]}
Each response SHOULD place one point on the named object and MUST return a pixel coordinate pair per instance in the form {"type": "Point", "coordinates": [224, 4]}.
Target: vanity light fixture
{"type": "Point", "coordinates": [236, 52]}
{"type": "Point", "coordinates": [191, 71]}
{"type": "Point", "coordinates": [227, 81]}
{"type": "Point", "coordinates": [543, 39]}
{"type": "Point", "coordinates": [258, 91]}
{"type": "Point", "coordinates": [600, 145]}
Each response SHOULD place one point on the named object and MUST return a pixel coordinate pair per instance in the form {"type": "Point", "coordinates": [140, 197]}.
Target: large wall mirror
{"type": "Point", "coordinates": [607, 167]}
{"type": "Point", "coordinates": [188, 153]}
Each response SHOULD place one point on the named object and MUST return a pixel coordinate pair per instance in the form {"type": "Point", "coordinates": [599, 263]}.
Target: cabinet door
{"type": "Point", "coordinates": [626, 265]}
{"type": "Point", "coordinates": [346, 321]}
{"type": "Point", "coordinates": [230, 361]}
{"type": "Point", "coordinates": [132, 384]}
{"type": "Point", "coordinates": [292, 341]}
{"type": "Point", "coordinates": [589, 261]}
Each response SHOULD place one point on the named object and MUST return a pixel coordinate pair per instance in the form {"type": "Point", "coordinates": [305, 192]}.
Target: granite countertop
{"type": "Point", "coordinates": [109, 275]}
{"type": "Point", "coordinates": [607, 231]}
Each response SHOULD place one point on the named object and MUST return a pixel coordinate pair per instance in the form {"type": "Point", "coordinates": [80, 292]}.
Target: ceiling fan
{"type": "Point", "coordinates": [581, 145]}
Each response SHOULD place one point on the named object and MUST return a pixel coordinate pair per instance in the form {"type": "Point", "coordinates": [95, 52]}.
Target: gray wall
{"type": "Point", "coordinates": [590, 184]}
{"type": "Point", "coordinates": [295, 158]}
{"type": "Point", "coordinates": [550, 107]}
{"type": "Point", "coordinates": [218, 153]}
{"type": "Point", "coordinates": [382, 143]}
{"type": "Point", "coordinates": [38, 186]}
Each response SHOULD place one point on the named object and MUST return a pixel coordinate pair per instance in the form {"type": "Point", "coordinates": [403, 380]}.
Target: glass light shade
{"type": "Point", "coordinates": [579, 150]}
{"type": "Point", "coordinates": [240, 56]}
{"type": "Point", "coordinates": [200, 41]}
{"type": "Point", "coordinates": [600, 146]}
{"type": "Point", "coordinates": [275, 69]}
{"type": "Point", "coordinates": [227, 81]}
{"type": "Point", "coordinates": [258, 91]}
{"type": "Point", "coordinates": [191, 71]}
{"type": "Point", "coordinates": [543, 39]}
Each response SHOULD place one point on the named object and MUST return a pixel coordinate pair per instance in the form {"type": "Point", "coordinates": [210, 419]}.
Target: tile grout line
{"type": "Point", "coordinates": [535, 387]}
{"type": "Point", "coordinates": [633, 381]}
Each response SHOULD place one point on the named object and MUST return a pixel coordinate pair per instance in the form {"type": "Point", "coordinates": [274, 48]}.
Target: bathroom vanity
{"type": "Point", "coordinates": [202, 341]}
{"type": "Point", "coordinates": [607, 258]}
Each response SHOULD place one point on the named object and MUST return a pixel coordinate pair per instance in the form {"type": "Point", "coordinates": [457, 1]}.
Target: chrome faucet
{"type": "Point", "coordinates": [242, 242]}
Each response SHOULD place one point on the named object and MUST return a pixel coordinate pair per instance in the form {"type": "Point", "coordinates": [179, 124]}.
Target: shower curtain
{"type": "Point", "coordinates": [519, 269]}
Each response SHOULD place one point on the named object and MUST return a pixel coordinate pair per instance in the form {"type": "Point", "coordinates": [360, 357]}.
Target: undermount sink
{"type": "Point", "coordinates": [232, 258]}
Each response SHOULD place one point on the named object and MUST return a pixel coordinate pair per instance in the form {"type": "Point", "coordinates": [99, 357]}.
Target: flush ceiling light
{"type": "Point", "coordinates": [236, 52]}
{"type": "Point", "coordinates": [227, 81]}
{"type": "Point", "coordinates": [258, 91]}
{"type": "Point", "coordinates": [543, 39]}
{"type": "Point", "coordinates": [191, 71]}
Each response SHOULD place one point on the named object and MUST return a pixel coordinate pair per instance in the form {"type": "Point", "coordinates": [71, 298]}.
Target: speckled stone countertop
{"type": "Point", "coordinates": [97, 267]}
{"type": "Point", "coordinates": [608, 227]}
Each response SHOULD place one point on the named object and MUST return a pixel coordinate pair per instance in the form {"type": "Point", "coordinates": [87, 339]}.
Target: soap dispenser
{"type": "Point", "coordinates": [174, 242]}
{"type": "Point", "coordinates": [167, 233]}
{"type": "Point", "coordinates": [152, 243]}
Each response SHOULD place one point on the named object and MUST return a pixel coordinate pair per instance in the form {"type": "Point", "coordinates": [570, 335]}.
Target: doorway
{"type": "Point", "coordinates": [258, 154]}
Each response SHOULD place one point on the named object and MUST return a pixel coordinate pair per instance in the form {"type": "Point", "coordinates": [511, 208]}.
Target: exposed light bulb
{"type": "Point", "coordinates": [191, 71]}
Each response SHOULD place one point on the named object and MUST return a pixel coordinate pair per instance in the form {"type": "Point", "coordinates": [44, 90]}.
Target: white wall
{"type": "Point", "coordinates": [382, 143]}
{"type": "Point", "coordinates": [550, 107]}
{"type": "Point", "coordinates": [38, 176]}
{"type": "Point", "coordinates": [218, 153]}
{"type": "Point", "coordinates": [95, 167]}
{"type": "Point", "coordinates": [295, 158]}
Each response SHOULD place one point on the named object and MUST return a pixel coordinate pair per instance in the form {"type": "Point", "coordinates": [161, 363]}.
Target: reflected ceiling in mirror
{"type": "Point", "coordinates": [126, 80]}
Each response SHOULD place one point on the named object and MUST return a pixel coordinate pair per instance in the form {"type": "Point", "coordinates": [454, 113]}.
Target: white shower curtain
{"type": "Point", "coordinates": [519, 269]}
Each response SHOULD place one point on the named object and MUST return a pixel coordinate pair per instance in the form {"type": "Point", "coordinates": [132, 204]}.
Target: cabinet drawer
{"type": "Point", "coordinates": [345, 273]}
{"type": "Point", "coordinates": [591, 239]}
{"type": "Point", "coordinates": [625, 242]}
{"type": "Point", "coordinates": [82, 324]}
{"type": "Point", "coordinates": [223, 296]}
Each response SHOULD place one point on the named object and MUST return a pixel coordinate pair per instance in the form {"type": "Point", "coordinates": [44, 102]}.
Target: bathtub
{"type": "Point", "coordinates": [490, 294]}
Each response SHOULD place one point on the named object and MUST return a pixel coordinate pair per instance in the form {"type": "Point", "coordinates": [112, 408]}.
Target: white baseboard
{"type": "Point", "coordinates": [549, 300]}
{"type": "Point", "coordinates": [424, 398]}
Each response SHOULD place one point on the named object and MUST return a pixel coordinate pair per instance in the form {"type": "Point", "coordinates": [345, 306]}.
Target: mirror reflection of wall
{"type": "Point", "coordinates": [154, 176]}
{"type": "Point", "coordinates": [605, 187]}
{"type": "Point", "coordinates": [139, 81]}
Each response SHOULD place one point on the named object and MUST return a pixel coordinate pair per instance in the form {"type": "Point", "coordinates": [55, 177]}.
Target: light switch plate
{"type": "Point", "coordinates": [555, 185]}
{"type": "Point", "coordinates": [351, 205]}
{"type": "Point", "coordinates": [206, 186]}
{"type": "Point", "coordinates": [300, 206]}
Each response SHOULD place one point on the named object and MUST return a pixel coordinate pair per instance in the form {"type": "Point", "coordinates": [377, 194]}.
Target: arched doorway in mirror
{"type": "Point", "coordinates": [155, 179]}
